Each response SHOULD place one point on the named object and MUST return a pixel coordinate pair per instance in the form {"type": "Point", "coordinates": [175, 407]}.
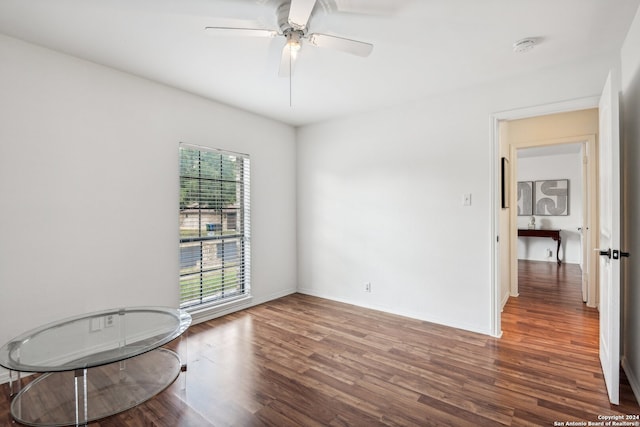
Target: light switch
{"type": "Point", "coordinates": [466, 199]}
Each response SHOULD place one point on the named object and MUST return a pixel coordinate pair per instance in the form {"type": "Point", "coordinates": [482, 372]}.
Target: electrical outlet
{"type": "Point", "coordinates": [466, 199]}
{"type": "Point", "coordinates": [367, 287]}
{"type": "Point", "coordinates": [549, 253]}
{"type": "Point", "coordinates": [108, 321]}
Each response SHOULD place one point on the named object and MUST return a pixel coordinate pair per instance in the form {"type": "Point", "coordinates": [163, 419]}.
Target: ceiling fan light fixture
{"type": "Point", "coordinates": [294, 45]}
{"type": "Point", "coordinates": [293, 40]}
{"type": "Point", "coordinates": [524, 45]}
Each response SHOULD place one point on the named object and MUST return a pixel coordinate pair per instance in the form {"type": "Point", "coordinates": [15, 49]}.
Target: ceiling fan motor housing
{"type": "Point", "coordinates": [293, 35]}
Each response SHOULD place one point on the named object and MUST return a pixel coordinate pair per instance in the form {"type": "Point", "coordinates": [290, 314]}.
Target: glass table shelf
{"type": "Point", "coordinates": [94, 365]}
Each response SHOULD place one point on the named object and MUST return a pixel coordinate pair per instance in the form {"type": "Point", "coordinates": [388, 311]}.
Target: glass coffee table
{"type": "Point", "coordinates": [94, 365]}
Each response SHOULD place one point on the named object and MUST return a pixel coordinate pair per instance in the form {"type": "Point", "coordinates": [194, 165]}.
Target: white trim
{"type": "Point", "coordinates": [4, 376]}
{"type": "Point", "coordinates": [211, 149]}
{"type": "Point", "coordinates": [496, 305]}
{"type": "Point", "coordinates": [411, 314]}
{"type": "Point", "coordinates": [554, 108]}
{"type": "Point", "coordinates": [504, 301]}
{"type": "Point", "coordinates": [202, 314]}
{"type": "Point", "coordinates": [496, 118]}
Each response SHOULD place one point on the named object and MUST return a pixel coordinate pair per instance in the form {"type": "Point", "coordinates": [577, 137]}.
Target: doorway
{"type": "Point", "coordinates": [562, 123]}
{"type": "Point", "coordinates": [605, 216]}
{"type": "Point", "coordinates": [563, 172]}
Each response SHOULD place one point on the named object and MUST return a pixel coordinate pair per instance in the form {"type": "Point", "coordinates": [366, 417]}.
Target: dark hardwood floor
{"type": "Point", "coordinates": [306, 361]}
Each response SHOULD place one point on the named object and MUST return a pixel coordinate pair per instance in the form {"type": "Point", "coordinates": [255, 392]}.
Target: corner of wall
{"type": "Point", "coordinates": [632, 377]}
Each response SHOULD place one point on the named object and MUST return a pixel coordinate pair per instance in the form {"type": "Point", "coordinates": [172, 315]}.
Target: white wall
{"type": "Point", "coordinates": [89, 187]}
{"type": "Point", "coordinates": [631, 182]}
{"type": "Point", "coordinates": [380, 198]}
{"type": "Point", "coordinates": [560, 166]}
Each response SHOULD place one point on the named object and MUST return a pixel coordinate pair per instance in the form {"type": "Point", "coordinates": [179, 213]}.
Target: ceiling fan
{"type": "Point", "coordinates": [293, 22]}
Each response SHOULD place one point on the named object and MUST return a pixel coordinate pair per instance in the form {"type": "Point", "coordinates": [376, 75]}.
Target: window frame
{"type": "Point", "coordinates": [213, 234]}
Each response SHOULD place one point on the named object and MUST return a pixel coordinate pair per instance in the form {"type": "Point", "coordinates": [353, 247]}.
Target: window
{"type": "Point", "coordinates": [214, 226]}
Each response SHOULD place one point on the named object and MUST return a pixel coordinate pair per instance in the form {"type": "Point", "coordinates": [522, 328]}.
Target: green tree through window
{"type": "Point", "coordinates": [207, 178]}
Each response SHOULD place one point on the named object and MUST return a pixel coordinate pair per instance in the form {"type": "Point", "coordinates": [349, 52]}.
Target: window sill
{"type": "Point", "coordinates": [202, 314]}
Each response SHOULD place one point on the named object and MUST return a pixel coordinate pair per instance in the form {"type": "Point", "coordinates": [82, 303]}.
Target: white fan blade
{"type": "Point", "coordinates": [299, 13]}
{"type": "Point", "coordinates": [243, 32]}
{"type": "Point", "coordinates": [287, 61]}
{"type": "Point", "coordinates": [370, 7]}
{"type": "Point", "coordinates": [353, 47]}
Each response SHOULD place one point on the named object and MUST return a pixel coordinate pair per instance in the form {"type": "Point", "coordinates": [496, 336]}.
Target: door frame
{"type": "Point", "coordinates": [589, 215]}
{"type": "Point", "coordinates": [496, 118]}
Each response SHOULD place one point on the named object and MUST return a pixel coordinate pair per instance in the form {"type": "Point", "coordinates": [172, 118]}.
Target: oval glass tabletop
{"type": "Point", "coordinates": [94, 339]}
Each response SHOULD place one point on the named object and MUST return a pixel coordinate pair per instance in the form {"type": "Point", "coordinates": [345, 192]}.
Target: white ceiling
{"type": "Point", "coordinates": [422, 47]}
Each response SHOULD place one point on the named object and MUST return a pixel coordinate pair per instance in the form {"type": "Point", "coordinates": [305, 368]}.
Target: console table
{"type": "Point", "coordinates": [554, 234]}
{"type": "Point", "coordinates": [95, 365]}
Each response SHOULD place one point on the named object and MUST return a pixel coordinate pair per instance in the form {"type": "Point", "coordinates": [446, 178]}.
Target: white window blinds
{"type": "Point", "coordinates": [214, 226]}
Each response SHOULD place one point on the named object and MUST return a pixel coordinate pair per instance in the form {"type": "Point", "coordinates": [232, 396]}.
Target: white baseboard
{"type": "Point", "coordinates": [551, 260]}
{"type": "Point", "coordinates": [4, 375]}
{"type": "Point", "coordinates": [504, 301]}
{"type": "Point", "coordinates": [632, 377]}
{"type": "Point", "coordinates": [410, 314]}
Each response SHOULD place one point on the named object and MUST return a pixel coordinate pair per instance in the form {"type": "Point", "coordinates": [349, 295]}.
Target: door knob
{"type": "Point", "coordinates": [606, 253]}
{"type": "Point", "coordinates": [617, 254]}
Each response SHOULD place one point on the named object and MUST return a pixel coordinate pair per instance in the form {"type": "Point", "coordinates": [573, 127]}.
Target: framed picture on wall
{"type": "Point", "coordinates": [525, 198]}
{"type": "Point", "coordinates": [551, 197]}
{"type": "Point", "coordinates": [504, 174]}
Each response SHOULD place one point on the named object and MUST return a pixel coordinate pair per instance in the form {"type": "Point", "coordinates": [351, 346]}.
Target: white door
{"type": "Point", "coordinates": [609, 210]}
